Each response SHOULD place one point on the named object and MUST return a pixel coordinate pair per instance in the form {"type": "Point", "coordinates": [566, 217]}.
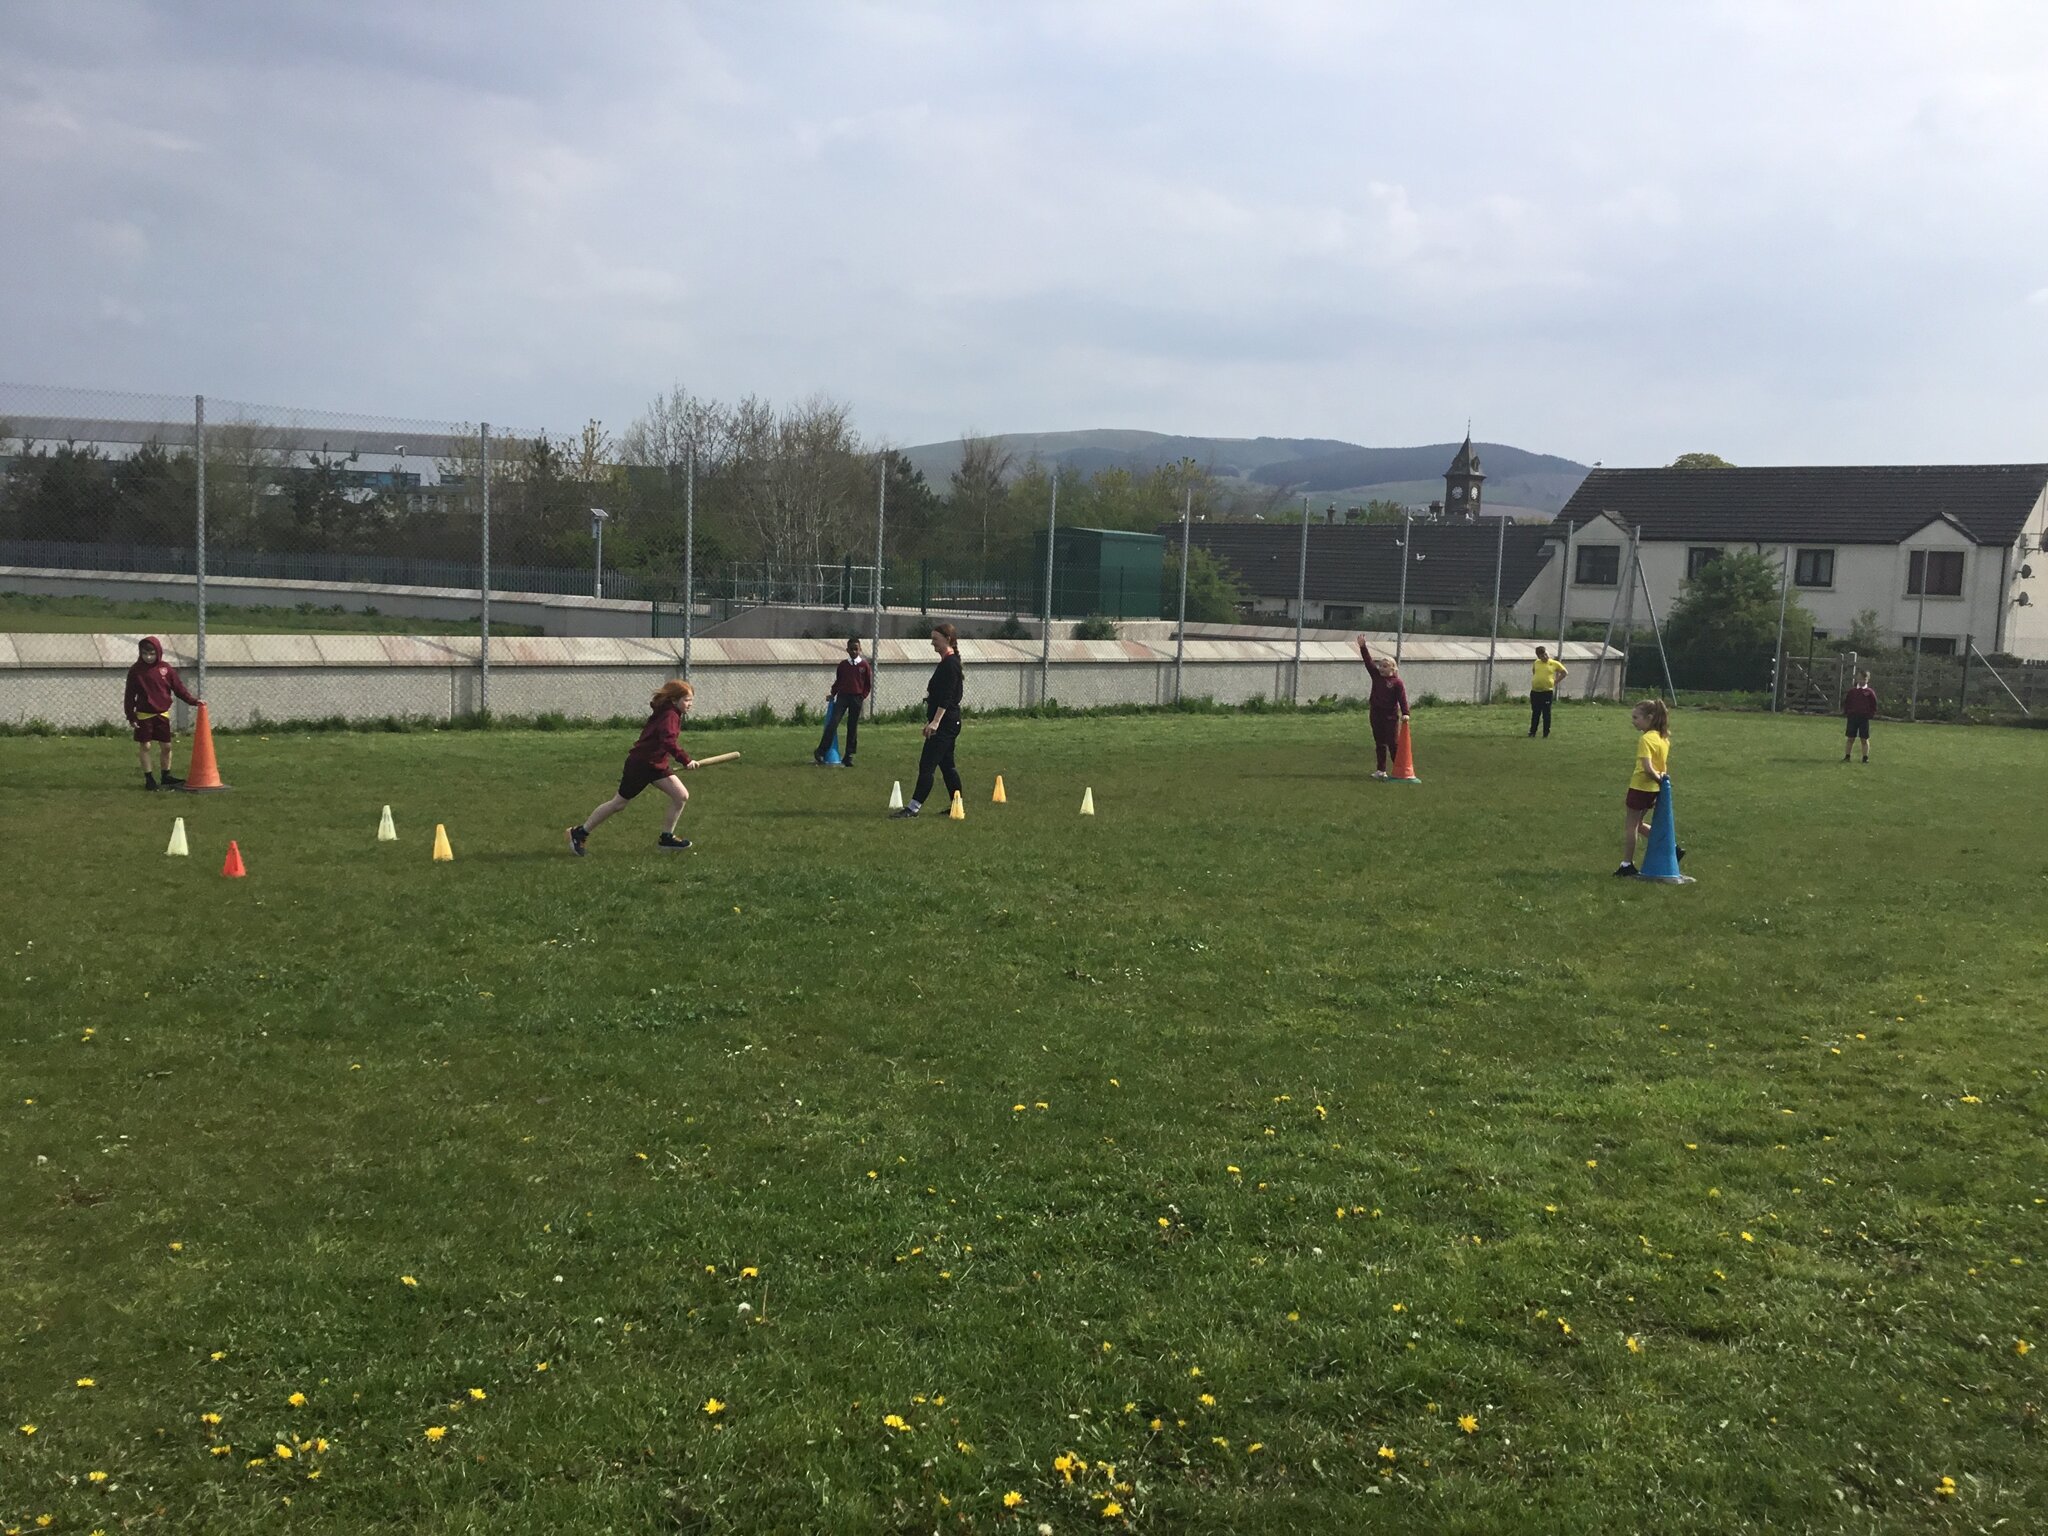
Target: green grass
{"type": "Point", "coordinates": [578, 1101]}
{"type": "Point", "coordinates": [22, 613]}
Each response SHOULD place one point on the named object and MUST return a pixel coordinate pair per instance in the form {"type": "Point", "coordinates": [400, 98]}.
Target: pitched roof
{"type": "Point", "coordinates": [1466, 462]}
{"type": "Point", "coordinates": [1361, 562]}
{"type": "Point", "coordinates": [1853, 504]}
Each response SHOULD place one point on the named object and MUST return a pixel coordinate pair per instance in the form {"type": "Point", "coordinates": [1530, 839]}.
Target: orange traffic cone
{"type": "Point", "coordinates": [1404, 759]}
{"type": "Point", "coordinates": [233, 868]}
{"type": "Point", "coordinates": [202, 774]}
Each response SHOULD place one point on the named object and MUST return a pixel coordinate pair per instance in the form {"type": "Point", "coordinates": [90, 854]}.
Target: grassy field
{"type": "Point", "coordinates": [22, 613]}
{"type": "Point", "coordinates": [1277, 1151]}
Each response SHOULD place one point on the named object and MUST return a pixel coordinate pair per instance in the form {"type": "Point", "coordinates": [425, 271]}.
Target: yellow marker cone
{"type": "Point", "coordinates": [386, 832]}
{"type": "Point", "coordinates": [896, 795]}
{"type": "Point", "coordinates": [443, 854]}
{"type": "Point", "coordinates": [959, 811]}
{"type": "Point", "coordinates": [178, 849]}
{"type": "Point", "coordinates": [1088, 801]}
{"type": "Point", "coordinates": [999, 798]}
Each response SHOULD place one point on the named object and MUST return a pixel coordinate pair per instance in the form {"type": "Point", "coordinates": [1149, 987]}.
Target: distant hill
{"type": "Point", "coordinates": [1277, 466]}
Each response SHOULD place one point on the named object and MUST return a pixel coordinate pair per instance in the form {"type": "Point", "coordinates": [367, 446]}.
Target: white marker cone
{"type": "Point", "coordinates": [1088, 801]}
{"type": "Point", "coordinates": [896, 796]}
{"type": "Point", "coordinates": [386, 832]}
{"type": "Point", "coordinates": [178, 849]}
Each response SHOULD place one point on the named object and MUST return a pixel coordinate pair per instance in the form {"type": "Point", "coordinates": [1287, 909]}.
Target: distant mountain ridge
{"type": "Point", "coordinates": [1529, 482]}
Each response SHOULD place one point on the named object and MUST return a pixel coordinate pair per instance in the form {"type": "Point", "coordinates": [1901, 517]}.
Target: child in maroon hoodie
{"type": "Point", "coordinates": [152, 682]}
{"type": "Point", "coordinates": [852, 685]}
{"type": "Point", "coordinates": [1386, 710]}
{"type": "Point", "coordinates": [649, 763]}
{"type": "Point", "coordinates": [1859, 708]}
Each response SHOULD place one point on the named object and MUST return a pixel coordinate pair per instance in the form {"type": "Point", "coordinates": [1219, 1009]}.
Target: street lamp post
{"type": "Point", "coordinates": [598, 518]}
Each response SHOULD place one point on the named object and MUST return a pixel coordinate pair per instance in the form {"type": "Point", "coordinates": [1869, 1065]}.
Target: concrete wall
{"type": "Point", "coordinates": [76, 680]}
{"type": "Point", "coordinates": [1867, 577]}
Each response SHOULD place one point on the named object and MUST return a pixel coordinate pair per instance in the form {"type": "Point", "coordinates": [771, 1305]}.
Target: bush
{"type": "Point", "coordinates": [1010, 629]}
{"type": "Point", "coordinates": [1723, 633]}
{"type": "Point", "coordinates": [1096, 627]}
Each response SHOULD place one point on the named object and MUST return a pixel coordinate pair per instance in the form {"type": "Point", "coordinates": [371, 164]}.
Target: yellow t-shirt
{"type": "Point", "coordinates": [1543, 675]}
{"type": "Point", "coordinates": [1658, 750]}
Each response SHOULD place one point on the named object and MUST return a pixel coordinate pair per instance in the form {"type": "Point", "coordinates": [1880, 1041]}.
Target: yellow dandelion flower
{"type": "Point", "coordinates": [1946, 1488]}
{"type": "Point", "coordinates": [222, 1450]}
{"type": "Point", "coordinates": [218, 1355]}
{"type": "Point", "coordinates": [1592, 1162]}
{"type": "Point", "coordinates": [1748, 1237]}
{"type": "Point", "coordinates": [313, 1476]}
{"type": "Point", "coordinates": [297, 1399]}
{"type": "Point", "coordinates": [1255, 1447]}
{"type": "Point", "coordinates": [2019, 1347]}
{"type": "Point", "coordinates": [1635, 1345]}
{"type": "Point", "coordinates": [1564, 1327]}
{"type": "Point", "coordinates": [436, 1433]}
{"type": "Point", "coordinates": [1387, 1453]}
{"type": "Point", "coordinates": [1468, 1423]}
{"type": "Point", "coordinates": [477, 1394]}
{"type": "Point", "coordinates": [85, 1382]}
{"type": "Point", "coordinates": [1194, 1370]}
{"type": "Point", "coordinates": [209, 1418]}
{"type": "Point", "coordinates": [1222, 1441]}
{"type": "Point", "coordinates": [963, 1447]}
{"type": "Point", "coordinates": [873, 1174]}
{"type": "Point", "coordinates": [256, 1461]}
{"type": "Point", "coordinates": [713, 1407]}
{"type": "Point", "coordinates": [407, 1280]}
{"type": "Point", "coordinates": [1207, 1400]}
{"type": "Point", "coordinates": [177, 1247]}
{"type": "Point", "coordinates": [1157, 1425]}
{"type": "Point", "coordinates": [281, 1451]}
{"type": "Point", "coordinates": [540, 1365]}
{"type": "Point", "coordinates": [895, 1421]}
{"type": "Point", "coordinates": [320, 1444]}
{"type": "Point", "coordinates": [750, 1273]}
{"type": "Point", "coordinates": [1111, 1510]}
{"type": "Point", "coordinates": [95, 1477]}
{"type": "Point", "coordinates": [1012, 1499]}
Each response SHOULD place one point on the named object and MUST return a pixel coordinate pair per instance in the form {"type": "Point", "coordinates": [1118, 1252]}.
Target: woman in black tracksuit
{"type": "Point", "coordinates": [942, 719]}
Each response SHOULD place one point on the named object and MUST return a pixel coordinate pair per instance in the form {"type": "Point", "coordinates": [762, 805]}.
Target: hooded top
{"type": "Point", "coordinates": [657, 742]}
{"type": "Point", "coordinates": [151, 682]}
{"type": "Point", "coordinates": [1389, 694]}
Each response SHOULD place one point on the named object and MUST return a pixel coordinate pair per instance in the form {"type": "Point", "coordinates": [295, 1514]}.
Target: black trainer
{"type": "Point", "coordinates": [169, 780]}
{"type": "Point", "coordinates": [149, 781]}
{"type": "Point", "coordinates": [577, 838]}
{"type": "Point", "coordinates": [846, 762]}
{"type": "Point", "coordinates": [671, 842]}
{"type": "Point", "coordinates": [1626, 871]}
{"type": "Point", "coordinates": [905, 814]}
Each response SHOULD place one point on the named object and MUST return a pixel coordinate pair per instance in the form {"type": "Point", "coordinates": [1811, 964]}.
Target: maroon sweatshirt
{"type": "Point", "coordinates": [1389, 695]}
{"type": "Point", "coordinates": [855, 679]}
{"type": "Point", "coordinates": [657, 743]}
{"type": "Point", "coordinates": [151, 682]}
{"type": "Point", "coordinates": [1860, 702]}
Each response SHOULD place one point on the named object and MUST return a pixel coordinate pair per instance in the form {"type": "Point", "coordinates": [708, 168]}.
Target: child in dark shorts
{"type": "Point", "coordinates": [152, 683]}
{"type": "Point", "coordinates": [1859, 708]}
{"type": "Point", "coordinates": [1652, 767]}
{"type": "Point", "coordinates": [649, 762]}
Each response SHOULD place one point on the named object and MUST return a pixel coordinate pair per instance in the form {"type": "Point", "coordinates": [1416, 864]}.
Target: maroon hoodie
{"type": "Point", "coordinates": [657, 742]}
{"type": "Point", "coordinates": [1389, 695]}
{"type": "Point", "coordinates": [151, 682]}
{"type": "Point", "coordinates": [1860, 702]}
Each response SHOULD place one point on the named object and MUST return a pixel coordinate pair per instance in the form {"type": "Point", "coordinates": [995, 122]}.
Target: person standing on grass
{"type": "Point", "coordinates": [1652, 772]}
{"type": "Point", "coordinates": [147, 703]}
{"type": "Point", "coordinates": [1859, 708]}
{"type": "Point", "coordinates": [1386, 711]}
{"type": "Point", "coordinates": [852, 686]}
{"type": "Point", "coordinates": [649, 762]}
{"type": "Point", "coordinates": [942, 696]}
{"type": "Point", "coordinates": [1544, 677]}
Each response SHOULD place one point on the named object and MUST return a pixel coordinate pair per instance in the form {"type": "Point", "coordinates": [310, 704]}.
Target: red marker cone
{"type": "Point", "coordinates": [233, 868]}
{"type": "Point", "coordinates": [1404, 758]}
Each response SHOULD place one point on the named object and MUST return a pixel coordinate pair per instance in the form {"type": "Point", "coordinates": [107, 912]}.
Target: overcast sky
{"type": "Point", "coordinates": [1784, 232]}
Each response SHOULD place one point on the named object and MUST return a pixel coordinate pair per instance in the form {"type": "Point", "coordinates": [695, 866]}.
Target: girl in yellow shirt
{"type": "Point", "coordinates": [1652, 767]}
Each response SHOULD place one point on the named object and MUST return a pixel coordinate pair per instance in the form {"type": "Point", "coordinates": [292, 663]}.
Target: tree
{"type": "Point", "coordinates": [1700, 461]}
{"type": "Point", "coordinates": [1379, 510]}
{"type": "Point", "coordinates": [1214, 597]}
{"type": "Point", "coordinates": [1723, 632]}
{"type": "Point", "coordinates": [979, 485]}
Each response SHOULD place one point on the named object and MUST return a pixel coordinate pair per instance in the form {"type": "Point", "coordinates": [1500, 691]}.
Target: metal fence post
{"type": "Point", "coordinates": [1500, 551]}
{"type": "Point", "coordinates": [1052, 528]}
{"type": "Point", "coordinates": [1564, 577]}
{"type": "Point", "coordinates": [1180, 639]}
{"type": "Point", "coordinates": [1401, 613]}
{"type": "Point", "coordinates": [689, 550]}
{"type": "Point", "coordinates": [483, 690]}
{"type": "Point", "coordinates": [1300, 601]}
{"type": "Point", "coordinates": [881, 521]}
{"type": "Point", "coordinates": [1963, 689]}
{"type": "Point", "coordinates": [1919, 634]}
{"type": "Point", "coordinates": [199, 536]}
{"type": "Point", "coordinates": [1784, 599]}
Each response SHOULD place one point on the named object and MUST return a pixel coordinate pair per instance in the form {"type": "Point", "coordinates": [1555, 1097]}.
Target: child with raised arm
{"type": "Point", "coordinates": [649, 762]}
{"type": "Point", "coordinates": [1859, 708]}
{"type": "Point", "coordinates": [1386, 710]}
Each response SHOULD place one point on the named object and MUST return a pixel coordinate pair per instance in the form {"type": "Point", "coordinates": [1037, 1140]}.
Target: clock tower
{"type": "Point", "coordinates": [1462, 482]}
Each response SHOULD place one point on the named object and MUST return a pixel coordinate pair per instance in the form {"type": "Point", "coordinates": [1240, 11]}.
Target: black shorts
{"type": "Point", "coordinates": [637, 776]}
{"type": "Point", "coordinates": [1859, 726]}
{"type": "Point", "coordinates": [1640, 799]}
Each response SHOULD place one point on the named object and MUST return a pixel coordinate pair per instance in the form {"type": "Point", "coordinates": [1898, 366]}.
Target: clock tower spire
{"type": "Point", "coordinates": [1463, 483]}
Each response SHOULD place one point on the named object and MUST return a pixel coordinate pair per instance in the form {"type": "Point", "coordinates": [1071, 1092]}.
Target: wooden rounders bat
{"type": "Point", "coordinates": [723, 757]}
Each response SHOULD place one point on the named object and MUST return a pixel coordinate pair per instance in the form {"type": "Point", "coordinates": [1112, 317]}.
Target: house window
{"type": "Point", "coordinates": [1340, 613]}
{"type": "Point", "coordinates": [1699, 557]}
{"type": "Point", "coordinates": [1932, 645]}
{"type": "Point", "coordinates": [1599, 565]}
{"type": "Point", "coordinates": [1935, 573]}
{"type": "Point", "coordinates": [1814, 568]}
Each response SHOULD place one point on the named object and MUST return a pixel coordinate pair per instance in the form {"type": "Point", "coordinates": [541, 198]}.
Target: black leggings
{"type": "Point", "coordinates": [1539, 709]}
{"type": "Point", "coordinates": [937, 757]}
{"type": "Point", "coordinates": [849, 711]}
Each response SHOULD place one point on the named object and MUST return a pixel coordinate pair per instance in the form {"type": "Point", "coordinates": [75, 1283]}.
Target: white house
{"type": "Point", "coordinates": [1942, 554]}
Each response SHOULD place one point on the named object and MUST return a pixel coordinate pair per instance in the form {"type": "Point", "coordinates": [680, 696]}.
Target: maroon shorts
{"type": "Point", "coordinates": [1642, 799]}
{"type": "Point", "coordinates": [637, 775]}
{"type": "Point", "coordinates": [155, 729]}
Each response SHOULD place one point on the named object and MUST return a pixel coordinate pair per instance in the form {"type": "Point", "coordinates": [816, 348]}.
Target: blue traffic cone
{"type": "Point", "coordinates": [831, 738]}
{"type": "Point", "coordinates": [1660, 861]}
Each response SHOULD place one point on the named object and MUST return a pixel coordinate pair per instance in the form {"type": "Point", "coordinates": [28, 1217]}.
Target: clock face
{"type": "Point", "coordinates": [1457, 493]}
